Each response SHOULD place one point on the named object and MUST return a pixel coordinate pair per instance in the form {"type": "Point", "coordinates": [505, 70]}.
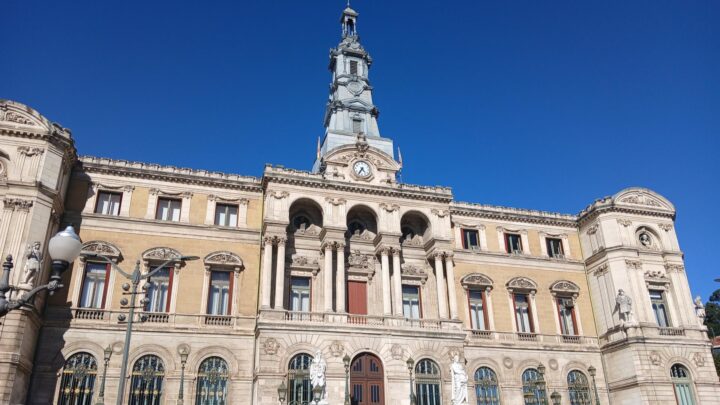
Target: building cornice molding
{"type": "Point", "coordinates": [173, 174]}
{"type": "Point", "coordinates": [500, 213]}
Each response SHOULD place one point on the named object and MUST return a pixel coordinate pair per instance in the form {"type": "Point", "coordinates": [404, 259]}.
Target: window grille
{"type": "Point", "coordinates": [78, 380]}
{"type": "Point", "coordinates": [146, 384]}
{"type": "Point", "coordinates": [533, 388]}
{"type": "Point", "coordinates": [682, 381]}
{"type": "Point", "coordinates": [486, 387]}
{"type": "Point", "coordinates": [212, 382]}
{"type": "Point", "coordinates": [578, 388]}
{"type": "Point", "coordinates": [427, 383]}
{"type": "Point", "coordinates": [300, 391]}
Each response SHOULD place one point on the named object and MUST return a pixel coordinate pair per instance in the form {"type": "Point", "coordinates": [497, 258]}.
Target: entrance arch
{"type": "Point", "coordinates": [367, 380]}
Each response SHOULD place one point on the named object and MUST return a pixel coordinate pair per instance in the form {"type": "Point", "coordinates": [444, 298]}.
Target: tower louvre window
{"type": "Point", "coordinates": [356, 125]}
{"type": "Point", "coordinates": [353, 67]}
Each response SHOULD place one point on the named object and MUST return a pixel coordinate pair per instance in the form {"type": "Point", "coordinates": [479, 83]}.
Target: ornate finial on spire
{"type": "Point", "coordinates": [317, 153]}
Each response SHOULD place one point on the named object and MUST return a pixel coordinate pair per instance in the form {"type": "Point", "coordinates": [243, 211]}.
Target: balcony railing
{"type": "Point", "coordinates": [525, 337]}
{"type": "Point", "coordinates": [110, 317]}
{"type": "Point", "coordinates": [367, 320]}
{"type": "Point", "coordinates": [671, 332]}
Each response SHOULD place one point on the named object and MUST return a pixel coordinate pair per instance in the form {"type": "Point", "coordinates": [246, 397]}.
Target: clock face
{"type": "Point", "coordinates": [361, 168]}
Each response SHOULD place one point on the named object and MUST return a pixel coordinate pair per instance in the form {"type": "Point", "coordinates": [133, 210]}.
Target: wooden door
{"type": "Point", "coordinates": [367, 385]}
{"type": "Point", "coordinates": [357, 297]}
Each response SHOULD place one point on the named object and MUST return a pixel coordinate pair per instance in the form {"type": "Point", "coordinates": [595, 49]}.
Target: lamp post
{"type": "Point", "coordinates": [541, 384]}
{"type": "Point", "coordinates": [183, 351]}
{"type": "Point", "coordinates": [106, 356]}
{"type": "Point", "coordinates": [555, 397]}
{"type": "Point", "coordinates": [411, 366]}
{"type": "Point", "coordinates": [592, 372]}
{"type": "Point", "coordinates": [63, 248]}
{"type": "Point", "coordinates": [317, 393]}
{"type": "Point", "coordinates": [132, 291]}
{"type": "Point", "coordinates": [346, 362]}
{"type": "Point", "coordinates": [282, 392]}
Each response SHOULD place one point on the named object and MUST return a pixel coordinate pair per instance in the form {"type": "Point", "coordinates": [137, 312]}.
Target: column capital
{"type": "Point", "coordinates": [274, 239]}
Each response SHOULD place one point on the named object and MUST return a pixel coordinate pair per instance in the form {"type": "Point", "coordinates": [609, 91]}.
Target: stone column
{"type": "Point", "coordinates": [440, 283]}
{"type": "Point", "coordinates": [387, 310]}
{"type": "Point", "coordinates": [327, 277]}
{"type": "Point", "coordinates": [340, 287]}
{"type": "Point", "coordinates": [267, 272]}
{"type": "Point", "coordinates": [397, 283]}
{"type": "Point", "coordinates": [280, 274]}
{"type": "Point", "coordinates": [451, 286]}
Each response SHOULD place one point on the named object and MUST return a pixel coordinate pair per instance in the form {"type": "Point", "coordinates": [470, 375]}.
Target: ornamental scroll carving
{"type": "Point", "coordinates": [12, 116]}
{"type": "Point", "coordinates": [641, 199]}
{"type": "Point", "coordinates": [414, 272]}
{"type": "Point", "coordinates": [100, 247]}
{"type": "Point", "coordinates": [271, 346]}
{"type": "Point", "coordinates": [361, 261]}
{"type": "Point", "coordinates": [223, 258]}
{"type": "Point", "coordinates": [521, 283]}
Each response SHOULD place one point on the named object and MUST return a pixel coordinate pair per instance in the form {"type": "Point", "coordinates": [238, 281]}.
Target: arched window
{"type": "Point", "coordinates": [578, 388]}
{"type": "Point", "coordinates": [486, 387]}
{"type": "Point", "coordinates": [146, 383]}
{"type": "Point", "coordinates": [427, 382]}
{"type": "Point", "coordinates": [212, 382]}
{"type": "Point", "coordinates": [533, 387]}
{"type": "Point", "coordinates": [78, 380]}
{"type": "Point", "coordinates": [682, 381]}
{"type": "Point", "coordinates": [299, 380]}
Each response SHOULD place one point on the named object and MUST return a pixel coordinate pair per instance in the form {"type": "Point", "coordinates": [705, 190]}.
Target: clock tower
{"type": "Point", "coordinates": [350, 110]}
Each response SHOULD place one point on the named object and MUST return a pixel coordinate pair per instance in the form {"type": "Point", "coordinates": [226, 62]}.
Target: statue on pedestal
{"type": "Point", "coordinates": [459, 382]}
{"type": "Point", "coordinates": [624, 307]}
{"type": "Point", "coordinates": [33, 260]}
{"type": "Point", "coordinates": [318, 366]}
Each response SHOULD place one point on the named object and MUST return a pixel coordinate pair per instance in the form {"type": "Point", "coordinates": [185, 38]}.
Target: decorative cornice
{"type": "Point", "coordinates": [125, 168]}
{"type": "Point", "coordinates": [499, 213]}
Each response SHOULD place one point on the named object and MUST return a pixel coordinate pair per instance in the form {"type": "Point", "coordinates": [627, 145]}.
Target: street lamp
{"type": "Point", "coordinates": [106, 356]}
{"type": "Point", "coordinates": [541, 384]}
{"type": "Point", "coordinates": [411, 366]}
{"type": "Point", "coordinates": [317, 393]}
{"type": "Point", "coordinates": [132, 291]}
{"type": "Point", "coordinates": [555, 398]}
{"type": "Point", "coordinates": [63, 248]}
{"type": "Point", "coordinates": [346, 362]}
{"type": "Point", "coordinates": [183, 351]}
{"type": "Point", "coordinates": [592, 372]}
{"type": "Point", "coordinates": [282, 392]}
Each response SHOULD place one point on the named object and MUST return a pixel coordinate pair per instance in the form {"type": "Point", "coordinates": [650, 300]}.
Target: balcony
{"type": "Point", "coordinates": [671, 332]}
{"type": "Point", "coordinates": [366, 320]}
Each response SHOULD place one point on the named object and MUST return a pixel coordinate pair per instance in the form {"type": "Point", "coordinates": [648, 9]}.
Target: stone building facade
{"type": "Point", "coordinates": [340, 261]}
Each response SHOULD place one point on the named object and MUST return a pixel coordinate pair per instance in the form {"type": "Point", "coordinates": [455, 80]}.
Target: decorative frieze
{"type": "Point", "coordinates": [633, 264]}
{"type": "Point", "coordinates": [17, 204]}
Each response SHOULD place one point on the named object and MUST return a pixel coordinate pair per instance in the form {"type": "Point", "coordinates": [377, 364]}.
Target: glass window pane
{"type": "Point", "coordinates": [93, 285]}
{"type": "Point", "coordinates": [411, 301]}
{"type": "Point", "coordinates": [477, 313]}
{"type": "Point", "coordinates": [158, 290]}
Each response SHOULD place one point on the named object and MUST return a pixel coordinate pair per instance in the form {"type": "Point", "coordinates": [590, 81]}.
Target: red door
{"type": "Point", "coordinates": [367, 380]}
{"type": "Point", "coordinates": [357, 301]}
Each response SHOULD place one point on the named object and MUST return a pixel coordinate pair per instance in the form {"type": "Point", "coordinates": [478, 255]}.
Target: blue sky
{"type": "Point", "coordinates": [544, 105]}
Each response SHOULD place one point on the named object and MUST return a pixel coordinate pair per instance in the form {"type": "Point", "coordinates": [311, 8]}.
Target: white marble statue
{"type": "Point", "coordinates": [318, 366]}
{"type": "Point", "coordinates": [700, 309]}
{"type": "Point", "coordinates": [459, 382]}
{"type": "Point", "coordinates": [624, 306]}
{"type": "Point", "coordinates": [33, 259]}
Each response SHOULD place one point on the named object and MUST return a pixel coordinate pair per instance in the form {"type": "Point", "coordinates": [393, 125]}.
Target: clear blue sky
{"type": "Point", "coordinates": [546, 105]}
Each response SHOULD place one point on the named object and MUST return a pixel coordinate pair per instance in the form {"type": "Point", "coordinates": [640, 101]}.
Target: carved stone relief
{"type": "Point", "coordinates": [271, 346]}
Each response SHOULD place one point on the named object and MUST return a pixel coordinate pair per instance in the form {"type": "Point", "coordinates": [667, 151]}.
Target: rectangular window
{"type": "Point", "coordinates": [353, 67]}
{"type": "Point", "coordinates": [478, 315]}
{"type": "Point", "coordinates": [411, 302]}
{"type": "Point", "coordinates": [357, 126]}
{"type": "Point", "coordinates": [470, 239]}
{"type": "Point", "coordinates": [94, 286]}
{"type": "Point", "coordinates": [566, 313]}
{"type": "Point", "coordinates": [226, 215]}
{"type": "Point", "coordinates": [300, 294]}
{"type": "Point", "coordinates": [659, 307]}
{"type": "Point", "coordinates": [513, 243]}
{"type": "Point", "coordinates": [108, 203]}
{"type": "Point", "coordinates": [220, 293]}
{"type": "Point", "coordinates": [522, 313]}
{"type": "Point", "coordinates": [168, 209]}
{"type": "Point", "coordinates": [554, 247]}
{"type": "Point", "coordinates": [158, 292]}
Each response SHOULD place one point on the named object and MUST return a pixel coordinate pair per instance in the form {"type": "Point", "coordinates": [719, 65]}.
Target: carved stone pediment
{"type": "Point", "coordinates": [522, 283]}
{"type": "Point", "coordinates": [477, 280]}
{"type": "Point", "coordinates": [223, 258]}
{"type": "Point", "coordinates": [100, 247]}
{"type": "Point", "coordinates": [643, 197]}
{"type": "Point", "coordinates": [414, 272]}
{"type": "Point", "coordinates": [160, 253]}
{"type": "Point", "coordinates": [361, 265]}
{"type": "Point", "coordinates": [304, 264]}
{"type": "Point", "coordinates": [564, 287]}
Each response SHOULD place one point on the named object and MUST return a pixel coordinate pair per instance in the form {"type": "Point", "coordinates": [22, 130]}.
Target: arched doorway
{"type": "Point", "coordinates": [367, 386]}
